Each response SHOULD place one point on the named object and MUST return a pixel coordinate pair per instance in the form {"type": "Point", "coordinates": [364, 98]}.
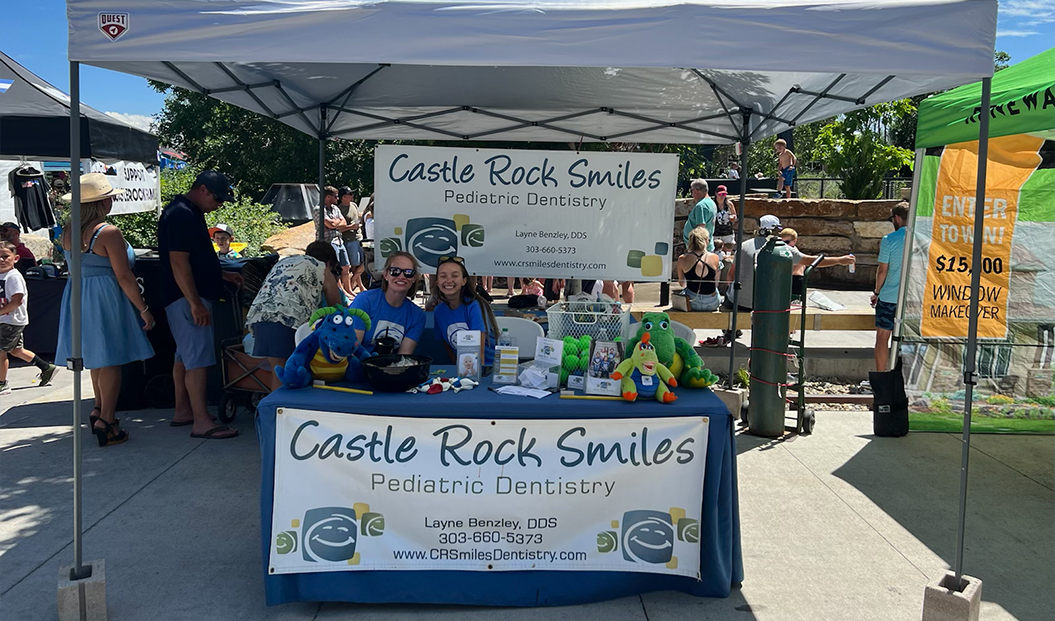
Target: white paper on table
{"type": "Point", "coordinates": [522, 391]}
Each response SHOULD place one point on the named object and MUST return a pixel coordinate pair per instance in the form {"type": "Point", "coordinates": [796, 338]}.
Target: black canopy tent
{"type": "Point", "coordinates": [35, 123]}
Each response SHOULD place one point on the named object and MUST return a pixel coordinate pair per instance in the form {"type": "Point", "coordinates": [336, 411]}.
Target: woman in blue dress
{"type": "Point", "coordinates": [114, 315]}
{"type": "Point", "coordinates": [459, 307]}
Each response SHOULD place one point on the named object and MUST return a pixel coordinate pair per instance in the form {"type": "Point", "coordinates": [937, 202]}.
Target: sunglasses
{"type": "Point", "coordinates": [455, 259]}
{"type": "Point", "coordinates": [396, 271]}
{"type": "Point", "coordinates": [216, 198]}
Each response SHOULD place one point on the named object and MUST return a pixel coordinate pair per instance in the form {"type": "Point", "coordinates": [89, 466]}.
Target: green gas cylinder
{"type": "Point", "coordinates": [769, 338]}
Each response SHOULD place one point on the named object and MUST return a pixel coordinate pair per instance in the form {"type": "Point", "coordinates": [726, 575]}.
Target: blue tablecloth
{"type": "Point", "coordinates": [720, 556]}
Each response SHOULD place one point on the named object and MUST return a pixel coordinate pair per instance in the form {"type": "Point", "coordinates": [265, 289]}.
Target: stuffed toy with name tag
{"type": "Point", "coordinates": [331, 352]}
{"type": "Point", "coordinates": [644, 375]}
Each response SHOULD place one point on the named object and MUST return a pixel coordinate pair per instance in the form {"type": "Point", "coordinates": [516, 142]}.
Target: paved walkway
{"type": "Point", "coordinates": [836, 526]}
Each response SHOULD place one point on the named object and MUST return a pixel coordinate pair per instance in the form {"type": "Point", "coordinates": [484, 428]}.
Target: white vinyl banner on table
{"type": "Point", "coordinates": [142, 191]}
{"type": "Point", "coordinates": [357, 492]}
{"type": "Point", "coordinates": [556, 214]}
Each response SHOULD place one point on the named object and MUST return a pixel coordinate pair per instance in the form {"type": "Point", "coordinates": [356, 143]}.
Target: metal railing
{"type": "Point", "coordinates": [831, 187]}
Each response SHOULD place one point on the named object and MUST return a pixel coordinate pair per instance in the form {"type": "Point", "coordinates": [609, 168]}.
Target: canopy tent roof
{"type": "Point", "coordinates": [664, 71]}
{"type": "Point", "coordinates": [35, 123]}
{"type": "Point", "coordinates": [1023, 102]}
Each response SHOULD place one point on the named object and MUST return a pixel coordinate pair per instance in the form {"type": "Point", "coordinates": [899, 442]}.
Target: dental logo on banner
{"type": "Point", "coordinates": [560, 214]}
{"type": "Point", "coordinates": [377, 493]}
{"type": "Point", "coordinates": [142, 191]}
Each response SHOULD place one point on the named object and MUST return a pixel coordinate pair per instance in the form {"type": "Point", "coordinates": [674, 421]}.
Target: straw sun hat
{"type": "Point", "coordinates": [94, 187]}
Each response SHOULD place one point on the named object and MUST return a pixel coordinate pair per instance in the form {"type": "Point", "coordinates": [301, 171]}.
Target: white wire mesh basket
{"type": "Point", "coordinates": [600, 320]}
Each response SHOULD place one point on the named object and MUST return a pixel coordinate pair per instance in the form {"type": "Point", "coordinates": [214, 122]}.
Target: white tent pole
{"type": "Point", "coordinates": [906, 261]}
{"type": "Point", "coordinates": [321, 223]}
{"type": "Point", "coordinates": [75, 363]}
{"type": "Point", "coordinates": [972, 321]}
{"type": "Point", "coordinates": [745, 142]}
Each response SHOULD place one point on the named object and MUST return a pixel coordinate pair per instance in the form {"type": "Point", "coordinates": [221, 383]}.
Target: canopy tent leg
{"type": "Point", "coordinates": [972, 322]}
{"type": "Point", "coordinates": [744, 144]}
{"type": "Point", "coordinates": [906, 261]}
{"type": "Point", "coordinates": [321, 221]}
{"type": "Point", "coordinates": [76, 363]}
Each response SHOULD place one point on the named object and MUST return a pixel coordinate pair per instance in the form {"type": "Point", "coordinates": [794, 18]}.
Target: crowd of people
{"type": "Point", "coordinates": [331, 272]}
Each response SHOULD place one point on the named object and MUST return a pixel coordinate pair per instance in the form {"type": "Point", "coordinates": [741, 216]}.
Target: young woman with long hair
{"type": "Point", "coordinates": [392, 307]}
{"type": "Point", "coordinates": [459, 307]}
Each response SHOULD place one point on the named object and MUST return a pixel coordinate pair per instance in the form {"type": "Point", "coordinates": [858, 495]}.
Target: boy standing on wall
{"type": "Point", "coordinates": [786, 162]}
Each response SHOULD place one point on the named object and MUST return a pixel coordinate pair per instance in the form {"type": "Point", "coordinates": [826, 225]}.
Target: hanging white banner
{"type": "Point", "coordinates": [558, 214]}
{"type": "Point", "coordinates": [359, 492]}
{"type": "Point", "coordinates": [140, 185]}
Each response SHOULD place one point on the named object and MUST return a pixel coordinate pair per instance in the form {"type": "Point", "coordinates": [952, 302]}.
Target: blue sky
{"type": "Point", "coordinates": [38, 42]}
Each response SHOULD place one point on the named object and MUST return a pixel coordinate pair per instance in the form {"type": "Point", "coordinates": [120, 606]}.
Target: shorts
{"type": "Point", "coordinates": [10, 337]}
{"type": "Point", "coordinates": [788, 175]}
{"type": "Point", "coordinates": [195, 346]}
{"type": "Point", "coordinates": [355, 253]}
{"type": "Point", "coordinates": [725, 239]}
{"type": "Point", "coordinates": [342, 252]}
{"type": "Point", "coordinates": [700, 302]}
{"type": "Point", "coordinates": [885, 312]}
{"type": "Point", "coordinates": [273, 340]}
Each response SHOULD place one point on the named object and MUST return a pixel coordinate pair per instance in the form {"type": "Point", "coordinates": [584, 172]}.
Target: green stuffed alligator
{"type": "Point", "coordinates": [675, 353]}
{"type": "Point", "coordinates": [643, 374]}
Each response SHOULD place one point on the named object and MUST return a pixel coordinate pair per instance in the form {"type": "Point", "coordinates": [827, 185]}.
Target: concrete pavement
{"type": "Point", "coordinates": [838, 525]}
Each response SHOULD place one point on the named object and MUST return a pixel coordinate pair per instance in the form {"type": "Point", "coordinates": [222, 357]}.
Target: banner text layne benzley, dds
{"type": "Point", "coordinates": [457, 448]}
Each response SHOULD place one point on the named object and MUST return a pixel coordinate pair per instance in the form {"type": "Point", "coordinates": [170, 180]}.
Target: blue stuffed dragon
{"type": "Point", "coordinates": [330, 353]}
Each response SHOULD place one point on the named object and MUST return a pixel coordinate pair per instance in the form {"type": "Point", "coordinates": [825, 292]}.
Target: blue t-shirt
{"type": "Point", "coordinates": [890, 250]}
{"type": "Point", "coordinates": [466, 317]}
{"type": "Point", "coordinates": [407, 321]}
{"type": "Point", "coordinates": [703, 213]}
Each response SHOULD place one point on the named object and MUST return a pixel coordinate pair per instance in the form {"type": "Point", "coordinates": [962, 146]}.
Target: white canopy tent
{"type": "Point", "coordinates": [551, 70]}
{"type": "Point", "coordinates": [659, 71]}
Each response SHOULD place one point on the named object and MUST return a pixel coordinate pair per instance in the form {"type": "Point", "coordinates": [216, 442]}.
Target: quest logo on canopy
{"type": "Point", "coordinates": [113, 25]}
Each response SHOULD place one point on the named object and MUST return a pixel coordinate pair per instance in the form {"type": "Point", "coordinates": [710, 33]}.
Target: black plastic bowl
{"type": "Point", "coordinates": [396, 379]}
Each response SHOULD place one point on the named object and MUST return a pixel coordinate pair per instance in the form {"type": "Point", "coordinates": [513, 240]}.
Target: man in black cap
{"type": "Point", "coordinates": [191, 281]}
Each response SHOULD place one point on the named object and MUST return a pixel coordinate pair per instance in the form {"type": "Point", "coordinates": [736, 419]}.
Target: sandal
{"type": "Point", "coordinates": [714, 341]}
{"type": "Point", "coordinates": [212, 434]}
{"type": "Point", "coordinates": [107, 435]}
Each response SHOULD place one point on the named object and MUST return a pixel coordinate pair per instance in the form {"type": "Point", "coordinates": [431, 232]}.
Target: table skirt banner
{"type": "Point", "coordinates": [355, 492]}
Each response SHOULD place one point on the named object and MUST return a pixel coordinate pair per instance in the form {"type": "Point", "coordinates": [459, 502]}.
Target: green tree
{"type": "Point", "coordinates": [254, 150]}
{"type": "Point", "coordinates": [1001, 60]}
{"type": "Point", "coordinates": [857, 148]}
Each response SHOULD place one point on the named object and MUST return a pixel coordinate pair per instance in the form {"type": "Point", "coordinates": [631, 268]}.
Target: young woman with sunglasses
{"type": "Point", "coordinates": [458, 307]}
{"type": "Point", "coordinates": [392, 311]}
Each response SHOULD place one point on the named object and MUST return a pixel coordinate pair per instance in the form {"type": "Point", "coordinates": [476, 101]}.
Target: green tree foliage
{"type": "Point", "coordinates": [252, 222]}
{"type": "Point", "coordinates": [140, 229]}
{"type": "Point", "coordinates": [857, 149]}
{"type": "Point", "coordinates": [1001, 60]}
{"type": "Point", "coordinates": [254, 150]}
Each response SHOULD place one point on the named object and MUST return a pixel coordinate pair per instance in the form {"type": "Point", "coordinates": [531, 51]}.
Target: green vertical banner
{"type": "Point", "coordinates": [1015, 364]}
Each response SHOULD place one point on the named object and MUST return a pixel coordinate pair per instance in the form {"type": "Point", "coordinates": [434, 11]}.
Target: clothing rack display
{"type": "Point", "coordinates": [29, 190]}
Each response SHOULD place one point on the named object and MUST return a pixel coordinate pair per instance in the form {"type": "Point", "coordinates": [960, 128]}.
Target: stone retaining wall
{"type": "Point", "coordinates": [834, 227]}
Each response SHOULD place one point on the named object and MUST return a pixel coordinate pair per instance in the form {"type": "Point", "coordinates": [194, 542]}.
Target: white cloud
{"type": "Point", "coordinates": [1016, 33]}
{"type": "Point", "coordinates": [139, 121]}
{"type": "Point", "coordinates": [1038, 11]}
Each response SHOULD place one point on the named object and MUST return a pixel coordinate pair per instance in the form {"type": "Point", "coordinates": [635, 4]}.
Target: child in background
{"type": "Point", "coordinates": [798, 270]}
{"type": "Point", "coordinates": [530, 286]}
{"type": "Point", "coordinates": [786, 162]}
{"type": "Point", "coordinates": [14, 318]}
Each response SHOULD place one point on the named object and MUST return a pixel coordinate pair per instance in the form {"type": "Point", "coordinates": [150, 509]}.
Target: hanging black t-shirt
{"type": "Point", "coordinates": [30, 192]}
{"type": "Point", "coordinates": [182, 228]}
